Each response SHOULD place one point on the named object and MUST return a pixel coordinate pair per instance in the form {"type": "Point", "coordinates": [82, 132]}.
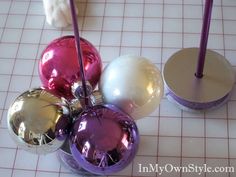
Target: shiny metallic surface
{"type": "Point", "coordinates": [133, 84]}
{"type": "Point", "coordinates": [215, 85]}
{"type": "Point", "coordinates": [77, 89]}
{"type": "Point", "coordinates": [38, 121]}
{"type": "Point", "coordinates": [68, 160]}
{"type": "Point", "coordinates": [79, 93]}
{"type": "Point", "coordinates": [97, 98]}
{"type": "Point", "coordinates": [104, 140]}
{"type": "Point", "coordinates": [59, 66]}
{"type": "Point", "coordinates": [75, 107]}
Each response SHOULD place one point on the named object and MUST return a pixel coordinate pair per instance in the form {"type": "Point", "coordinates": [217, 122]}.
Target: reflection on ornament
{"type": "Point", "coordinates": [65, 156]}
{"type": "Point", "coordinates": [104, 140]}
{"type": "Point", "coordinates": [133, 84]}
{"type": "Point", "coordinates": [38, 121]}
{"type": "Point", "coordinates": [103, 136]}
{"type": "Point", "coordinates": [59, 67]}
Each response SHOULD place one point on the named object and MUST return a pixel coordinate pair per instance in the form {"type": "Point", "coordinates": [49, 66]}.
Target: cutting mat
{"type": "Point", "coordinates": [151, 28]}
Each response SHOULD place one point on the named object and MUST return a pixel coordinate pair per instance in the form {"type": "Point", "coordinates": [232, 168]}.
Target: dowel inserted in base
{"type": "Point", "coordinates": [191, 92]}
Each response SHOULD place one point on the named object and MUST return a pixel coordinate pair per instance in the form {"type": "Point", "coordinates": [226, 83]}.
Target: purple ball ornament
{"type": "Point", "coordinates": [104, 140]}
{"type": "Point", "coordinates": [65, 156]}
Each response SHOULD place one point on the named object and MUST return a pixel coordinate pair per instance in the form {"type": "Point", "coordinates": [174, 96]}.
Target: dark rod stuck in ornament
{"type": "Point", "coordinates": [103, 139]}
{"type": "Point", "coordinates": [79, 50]}
{"type": "Point", "coordinates": [100, 138]}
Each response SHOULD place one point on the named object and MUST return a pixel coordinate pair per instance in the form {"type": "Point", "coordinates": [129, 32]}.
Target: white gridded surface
{"type": "Point", "coordinates": [151, 28]}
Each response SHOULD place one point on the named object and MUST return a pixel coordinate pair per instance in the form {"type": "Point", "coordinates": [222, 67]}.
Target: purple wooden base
{"type": "Point", "coordinates": [193, 107]}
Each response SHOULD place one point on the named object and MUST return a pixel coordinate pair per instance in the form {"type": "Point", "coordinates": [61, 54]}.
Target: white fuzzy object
{"type": "Point", "coordinates": [57, 12]}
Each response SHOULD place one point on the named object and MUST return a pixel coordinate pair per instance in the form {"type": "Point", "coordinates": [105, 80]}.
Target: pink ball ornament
{"type": "Point", "coordinates": [59, 66]}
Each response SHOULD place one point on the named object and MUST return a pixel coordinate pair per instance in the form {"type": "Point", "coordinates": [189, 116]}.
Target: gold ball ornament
{"type": "Point", "coordinates": [38, 121]}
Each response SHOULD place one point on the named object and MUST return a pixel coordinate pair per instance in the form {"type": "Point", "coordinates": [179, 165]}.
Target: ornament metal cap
{"type": "Point", "coordinates": [77, 89]}
{"type": "Point", "coordinates": [97, 98]}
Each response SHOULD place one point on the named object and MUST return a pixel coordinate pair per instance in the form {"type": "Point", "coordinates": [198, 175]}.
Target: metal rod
{"type": "Point", "coordinates": [79, 50]}
{"type": "Point", "coordinates": [204, 38]}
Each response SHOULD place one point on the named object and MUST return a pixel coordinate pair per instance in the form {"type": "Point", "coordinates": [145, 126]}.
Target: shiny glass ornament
{"type": "Point", "coordinates": [59, 66]}
{"type": "Point", "coordinates": [104, 140]}
{"type": "Point", "coordinates": [68, 160]}
{"type": "Point", "coordinates": [133, 84]}
{"type": "Point", "coordinates": [38, 121]}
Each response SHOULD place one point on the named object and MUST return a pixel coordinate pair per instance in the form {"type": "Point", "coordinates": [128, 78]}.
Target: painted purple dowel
{"type": "Point", "coordinates": [204, 38]}
{"type": "Point", "coordinates": [78, 48]}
